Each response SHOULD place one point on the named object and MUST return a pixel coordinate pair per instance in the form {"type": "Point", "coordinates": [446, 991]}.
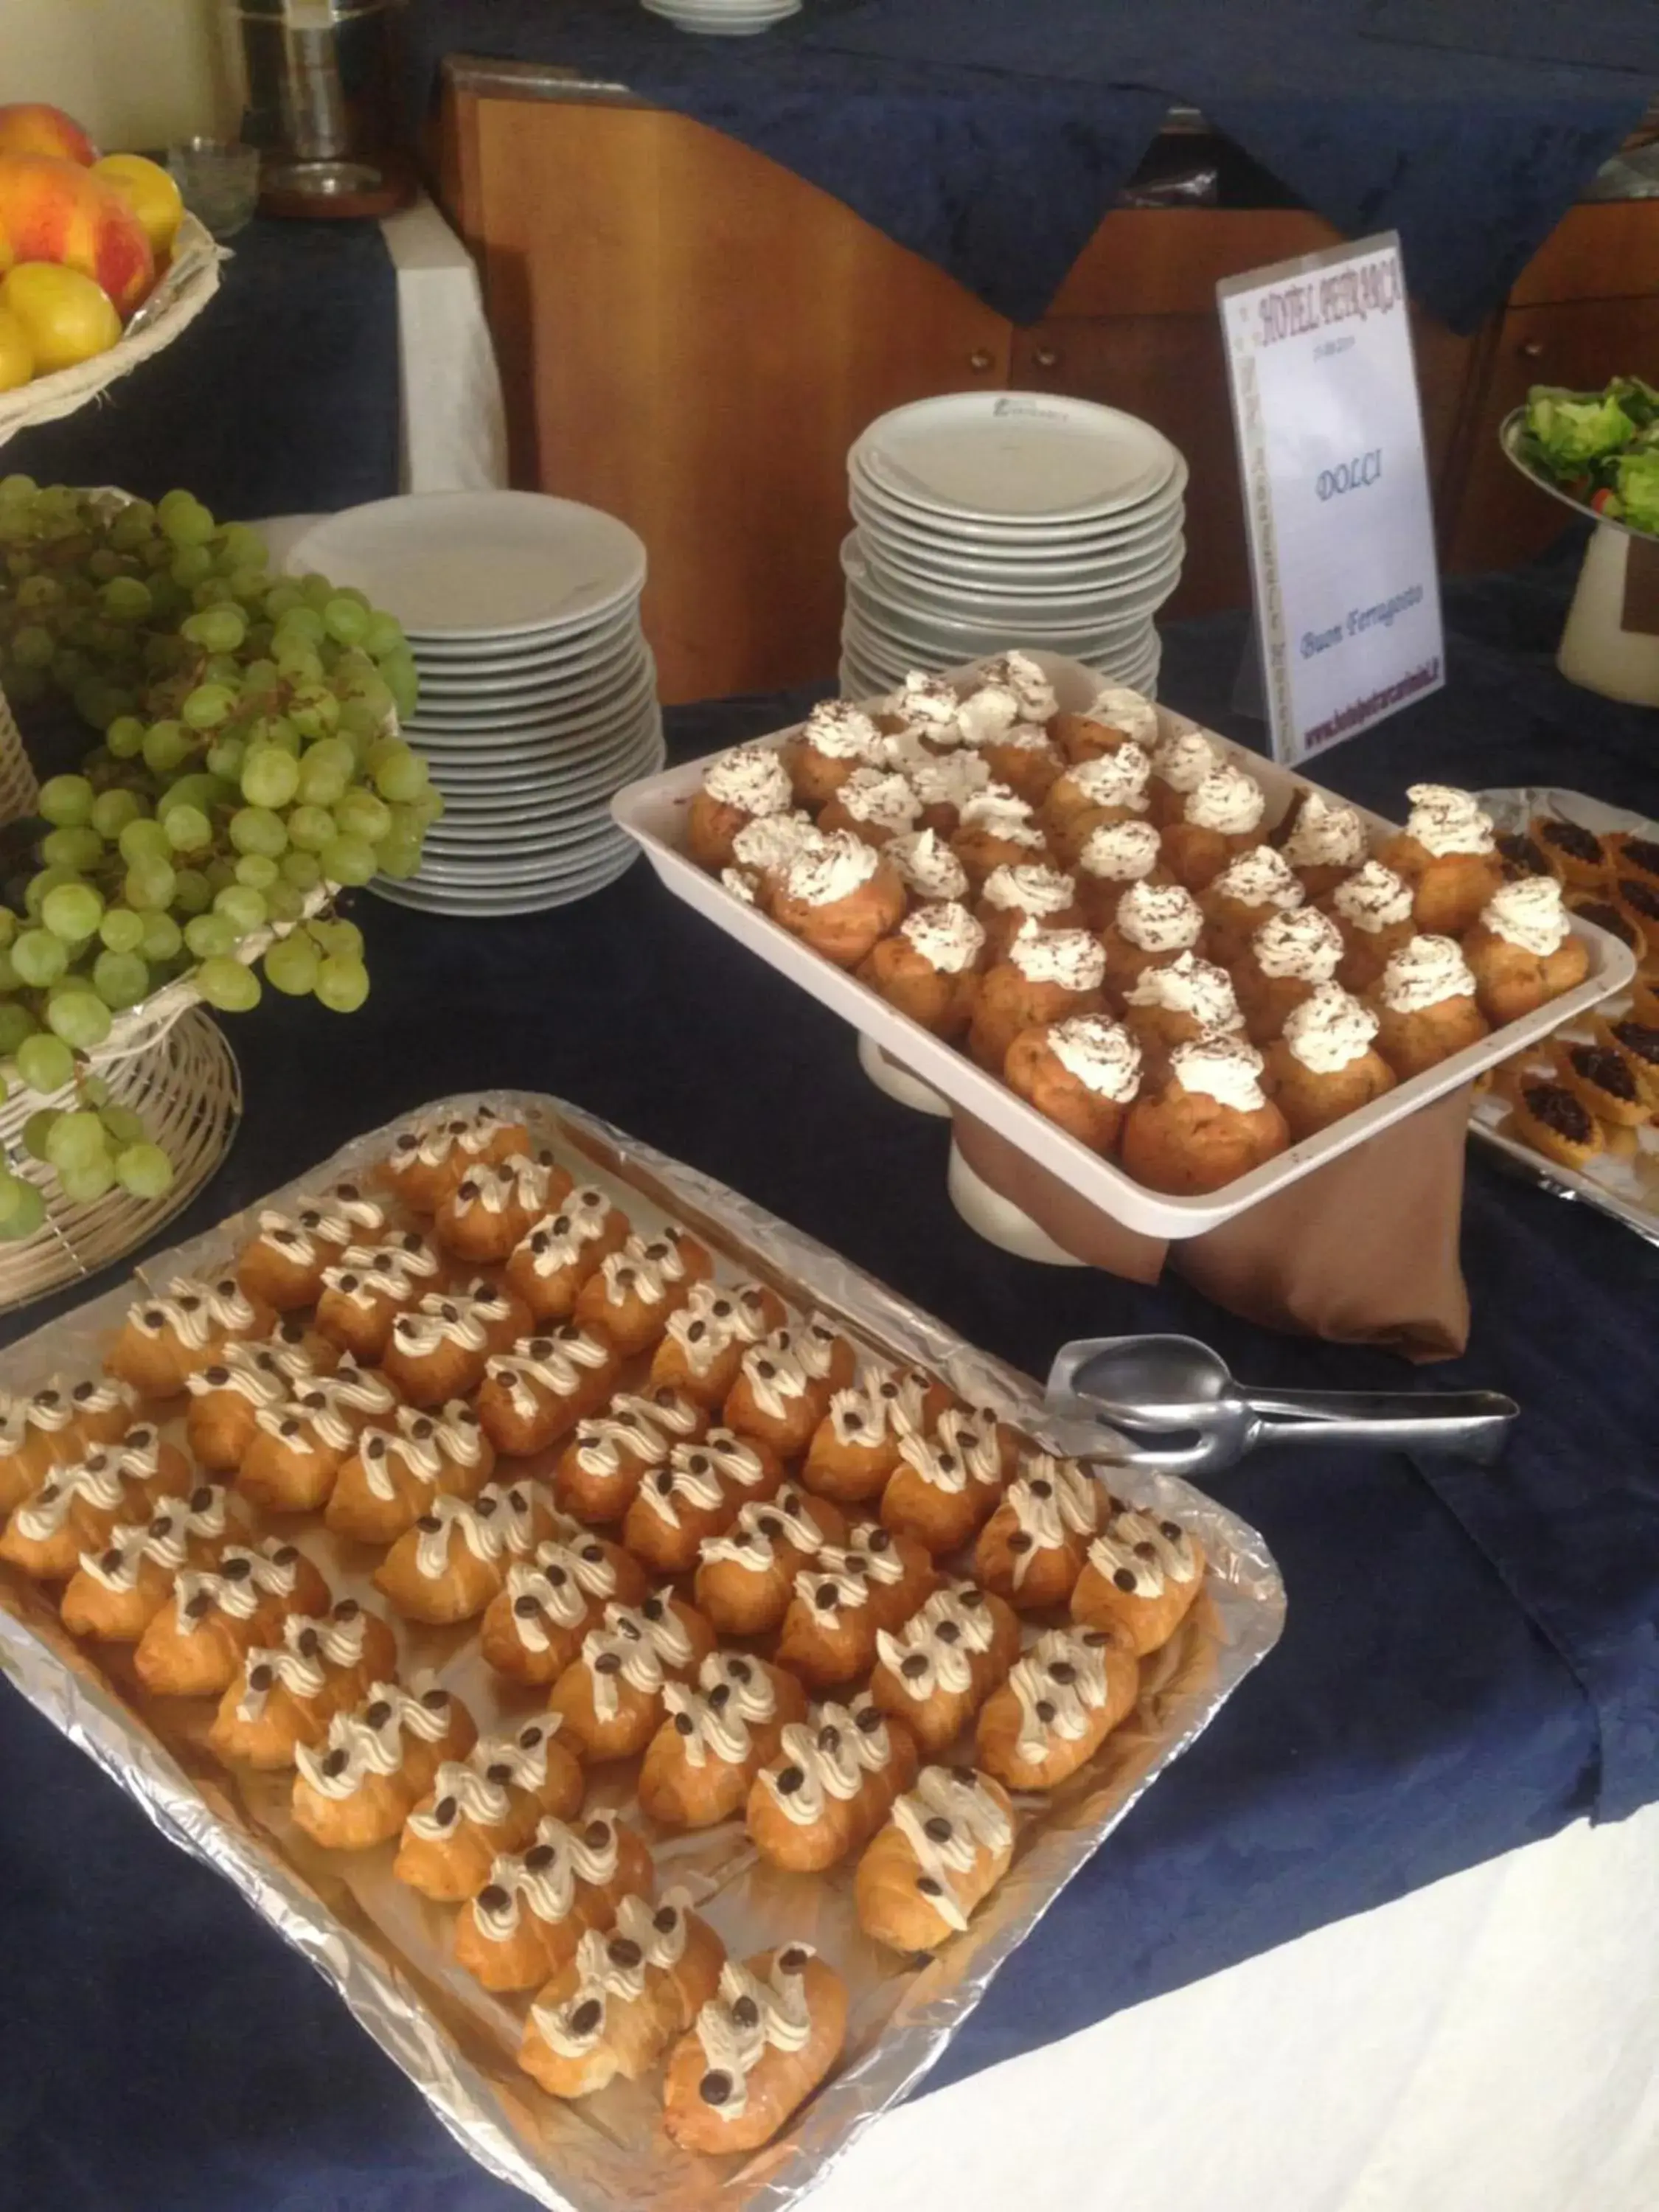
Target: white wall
{"type": "Point", "coordinates": [134, 73]}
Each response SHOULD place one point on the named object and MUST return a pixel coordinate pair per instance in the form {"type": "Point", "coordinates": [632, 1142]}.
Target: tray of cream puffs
{"type": "Point", "coordinates": [657, 1674]}
{"type": "Point", "coordinates": [1175, 974]}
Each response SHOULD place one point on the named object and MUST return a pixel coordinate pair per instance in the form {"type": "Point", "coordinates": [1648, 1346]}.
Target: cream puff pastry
{"type": "Point", "coordinates": [1058, 1706]}
{"type": "Point", "coordinates": [610, 1698]}
{"type": "Point", "coordinates": [548, 1267]}
{"type": "Point", "coordinates": [614, 2008]}
{"type": "Point", "coordinates": [534, 1629]}
{"type": "Point", "coordinates": [830, 1786]}
{"type": "Point", "coordinates": [455, 1558]}
{"type": "Point", "coordinates": [1139, 1580]}
{"type": "Point", "coordinates": [935, 1672]}
{"type": "Point", "coordinates": [756, 2052]}
{"type": "Point", "coordinates": [947, 1844]}
{"type": "Point", "coordinates": [531, 1915]}
{"type": "Point", "coordinates": [378, 1762]}
{"type": "Point", "coordinates": [484, 1805]}
{"type": "Point", "coordinates": [716, 1739]}
{"type": "Point", "coordinates": [746, 1573]}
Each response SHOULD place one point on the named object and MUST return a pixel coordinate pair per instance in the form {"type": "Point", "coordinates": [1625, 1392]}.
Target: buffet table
{"type": "Point", "coordinates": [1468, 1668]}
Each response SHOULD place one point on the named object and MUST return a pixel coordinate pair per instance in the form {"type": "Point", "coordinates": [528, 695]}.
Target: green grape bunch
{"type": "Point", "coordinates": [248, 769]}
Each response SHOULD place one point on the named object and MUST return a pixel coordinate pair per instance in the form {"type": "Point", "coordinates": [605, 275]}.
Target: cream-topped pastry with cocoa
{"type": "Point", "coordinates": [1249, 890]}
{"type": "Point", "coordinates": [874, 804]}
{"type": "Point", "coordinates": [1115, 716]}
{"type": "Point", "coordinates": [1289, 956]}
{"type": "Point", "coordinates": [929, 967]}
{"type": "Point", "coordinates": [987, 712]}
{"type": "Point", "coordinates": [924, 706]}
{"type": "Point", "coordinates": [1140, 1580]}
{"type": "Point", "coordinates": [1109, 859]}
{"type": "Point", "coordinates": [837, 738]}
{"type": "Point", "coordinates": [1170, 1005]}
{"type": "Point", "coordinates": [738, 786]}
{"type": "Point", "coordinates": [1211, 1123]}
{"type": "Point", "coordinates": [1523, 952]}
{"type": "Point", "coordinates": [282, 1264]}
{"type": "Point", "coordinates": [628, 1300]}
{"type": "Point", "coordinates": [1152, 923]}
{"type": "Point", "coordinates": [532, 1395]}
{"type": "Point", "coordinates": [1427, 1002]}
{"type": "Point", "coordinates": [933, 1674]}
{"type": "Point", "coordinates": [716, 1739]}
{"type": "Point", "coordinates": [1032, 891]}
{"type": "Point", "coordinates": [1106, 787]}
{"type": "Point", "coordinates": [830, 1787]}
{"type": "Point", "coordinates": [1180, 764]}
{"type": "Point", "coordinates": [1324, 1064]}
{"type": "Point", "coordinates": [927, 866]}
{"type": "Point", "coordinates": [1018, 672]}
{"type": "Point", "coordinates": [943, 783]}
{"type": "Point", "coordinates": [1325, 842]}
{"type": "Point", "coordinates": [756, 2052]}
{"type": "Point", "coordinates": [1030, 1551]}
{"type": "Point", "coordinates": [548, 1266]}
{"type": "Point", "coordinates": [1022, 757]}
{"type": "Point", "coordinates": [763, 850]}
{"type": "Point", "coordinates": [165, 1339]}
{"type": "Point", "coordinates": [948, 1843]}
{"type": "Point", "coordinates": [1045, 976]}
{"type": "Point", "coordinates": [425, 1163]}
{"type": "Point", "coordinates": [1220, 817]}
{"type": "Point", "coordinates": [840, 897]}
{"type": "Point", "coordinates": [497, 1203]}
{"type": "Point", "coordinates": [615, 2008]}
{"type": "Point", "coordinates": [1372, 908]}
{"type": "Point", "coordinates": [1448, 853]}
{"type": "Point", "coordinates": [1080, 1073]}
{"type": "Point", "coordinates": [1057, 1708]}
{"type": "Point", "coordinates": [996, 828]}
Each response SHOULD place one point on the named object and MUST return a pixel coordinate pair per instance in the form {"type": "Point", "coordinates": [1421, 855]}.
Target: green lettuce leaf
{"type": "Point", "coordinates": [1638, 489]}
{"type": "Point", "coordinates": [1572, 433]}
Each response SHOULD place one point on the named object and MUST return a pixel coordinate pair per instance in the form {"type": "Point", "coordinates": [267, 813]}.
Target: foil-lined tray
{"type": "Point", "coordinates": [1625, 1185]}
{"type": "Point", "coordinates": [386, 1950]}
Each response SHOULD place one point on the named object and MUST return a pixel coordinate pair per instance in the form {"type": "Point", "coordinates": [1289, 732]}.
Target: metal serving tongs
{"type": "Point", "coordinates": [1177, 1390]}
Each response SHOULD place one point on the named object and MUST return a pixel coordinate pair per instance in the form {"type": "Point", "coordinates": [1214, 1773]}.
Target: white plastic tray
{"type": "Point", "coordinates": [653, 811]}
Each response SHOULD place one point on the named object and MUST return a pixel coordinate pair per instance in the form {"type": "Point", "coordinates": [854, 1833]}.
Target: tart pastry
{"type": "Point", "coordinates": [1139, 1580]}
{"type": "Point", "coordinates": [830, 1788]}
{"type": "Point", "coordinates": [615, 2007]}
{"type": "Point", "coordinates": [996, 828]}
{"type": "Point", "coordinates": [611, 1696]}
{"type": "Point", "coordinates": [855, 1446]}
{"type": "Point", "coordinates": [1172, 1003]}
{"type": "Point", "coordinates": [300, 1446]}
{"type": "Point", "coordinates": [927, 866]}
{"type": "Point", "coordinates": [1448, 853]}
{"type": "Point", "coordinates": [378, 1763]}
{"type": "Point", "coordinates": [365, 1293]}
{"type": "Point", "coordinates": [1630, 855]}
{"type": "Point", "coordinates": [1523, 952]}
{"type": "Point", "coordinates": [548, 1266]}
{"type": "Point", "coordinates": [1080, 1074]}
{"type": "Point", "coordinates": [1521, 855]}
{"type": "Point", "coordinates": [1180, 764]}
{"type": "Point", "coordinates": [1638, 899]}
{"type": "Point", "coordinates": [1118, 716]}
{"type": "Point", "coordinates": [716, 1739]}
{"type": "Point", "coordinates": [1593, 906]}
{"type": "Point", "coordinates": [929, 968]}
{"type": "Point", "coordinates": [1152, 923]}
{"type": "Point", "coordinates": [1058, 1706]}
{"type": "Point", "coordinates": [707, 1336]}
{"type": "Point", "coordinates": [1326, 1065]}
{"type": "Point", "coordinates": [936, 1672]}
{"type": "Point", "coordinates": [56, 1427]}
{"type": "Point", "coordinates": [1211, 1123]}
{"type": "Point", "coordinates": [287, 1693]}
{"type": "Point", "coordinates": [1322, 843]}
{"type": "Point", "coordinates": [440, 1350]}
{"type": "Point", "coordinates": [1248, 891]}
{"type": "Point", "coordinates": [496, 1205]}
{"type": "Point", "coordinates": [844, 1597]}
{"type": "Point", "coordinates": [946, 1486]}
{"type": "Point", "coordinates": [1031, 1550]}
{"type": "Point", "coordinates": [282, 1265]}
{"type": "Point", "coordinates": [1372, 911]}
{"type": "Point", "coordinates": [1556, 1123]}
{"type": "Point", "coordinates": [1602, 1077]}
{"type": "Point", "coordinates": [1108, 860]}
{"type": "Point", "coordinates": [875, 804]}
{"type": "Point", "coordinates": [1572, 854]}
{"type": "Point", "coordinates": [534, 1629]}
{"type": "Point", "coordinates": [757, 2052]}
{"type": "Point", "coordinates": [531, 1396]}
{"type": "Point", "coordinates": [1033, 891]}
{"type": "Point", "coordinates": [746, 1573]}
{"type": "Point", "coordinates": [629, 1298]}
{"type": "Point", "coordinates": [1425, 1006]}
{"type": "Point", "coordinates": [946, 1846]}
{"type": "Point", "coordinates": [484, 1805]}
{"type": "Point", "coordinates": [425, 1164]}
{"type": "Point", "coordinates": [697, 1494]}
{"type": "Point", "coordinates": [449, 1565]}
{"type": "Point", "coordinates": [1636, 1045]}
{"type": "Point", "coordinates": [1285, 962]}
{"type": "Point", "coordinates": [1047, 976]}
{"type": "Point", "coordinates": [225, 1398]}
{"type": "Point", "coordinates": [118, 1589]}
{"type": "Point", "coordinates": [395, 1469]}
{"type": "Point", "coordinates": [163, 1341]}
{"type": "Point", "coordinates": [77, 1508]}
{"type": "Point", "coordinates": [1108, 788]}
{"type": "Point", "coordinates": [738, 786]}
{"type": "Point", "coordinates": [194, 1646]}
{"type": "Point", "coordinates": [835, 738]}
{"type": "Point", "coordinates": [840, 897]}
{"type": "Point", "coordinates": [600, 1470]}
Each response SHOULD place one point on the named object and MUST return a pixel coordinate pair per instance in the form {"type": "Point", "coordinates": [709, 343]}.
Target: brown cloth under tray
{"type": "Point", "coordinates": [1364, 1251]}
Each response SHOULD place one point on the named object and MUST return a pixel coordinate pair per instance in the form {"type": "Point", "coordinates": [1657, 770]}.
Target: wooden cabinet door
{"type": "Point", "coordinates": [1501, 520]}
{"type": "Point", "coordinates": [691, 337]}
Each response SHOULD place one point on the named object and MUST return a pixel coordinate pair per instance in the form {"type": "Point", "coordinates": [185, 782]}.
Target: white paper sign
{"type": "Point", "coordinates": [1336, 491]}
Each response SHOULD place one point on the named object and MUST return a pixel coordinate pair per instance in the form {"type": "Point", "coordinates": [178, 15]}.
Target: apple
{"type": "Point", "coordinates": [149, 192]}
{"type": "Point", "coordinates": [32, 127]}
{"type": "Point", "coordinates": [55, 210]}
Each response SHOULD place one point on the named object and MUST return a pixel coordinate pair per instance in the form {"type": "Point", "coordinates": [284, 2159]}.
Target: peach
{"type": "Point", "coordinates": [55, 210]}
{"type": "Point", "coordinates": [32, 127]}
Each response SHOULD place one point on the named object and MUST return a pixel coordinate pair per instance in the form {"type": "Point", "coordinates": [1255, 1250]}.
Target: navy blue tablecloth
{"type": "Point", "coordinates": [992, 135]}
{"type": "Point", "coordinates": [1469, 1660]}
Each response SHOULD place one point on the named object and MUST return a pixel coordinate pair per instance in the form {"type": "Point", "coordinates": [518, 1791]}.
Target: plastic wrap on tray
{"type": "Point", "coordinates": [385, 1949]}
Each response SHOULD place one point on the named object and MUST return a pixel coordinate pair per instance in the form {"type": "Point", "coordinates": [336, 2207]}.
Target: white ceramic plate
{"type": "Point", "coordinates": [993, 455]}
{"type": "Point", "coordinates": [472, 705]}
{"type": "Point", "coordinates": [479, 564]}
{"type": "Point", "coordinates": [521, 816]}
{"type": "Point", "coordinates": [455, 679]}
{"type": "Point", "coordinates": [913, 628]}
{"type": "Point", "coordinates": [491, 872]}
{"type": "Point", "coordinates": [462, 905]}
{"type": "Point", "coordinates": [1054, 614]}
{"type": "Point", "coordinates": [1089, 552]}
{"type": "Point", "coordinates": [900, 558]}
{"type": "Point", "coordinates": [1128, 528]}
{"type": "Point", "coordinates": [511, 655]}
{"type": "Point", "coordinates": [495, 720]}
{"type": "Point", "coordinates": [547, 762]}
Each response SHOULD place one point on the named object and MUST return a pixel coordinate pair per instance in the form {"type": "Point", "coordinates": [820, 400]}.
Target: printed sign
{"type": "Point", "coordinates": [1336, 491]}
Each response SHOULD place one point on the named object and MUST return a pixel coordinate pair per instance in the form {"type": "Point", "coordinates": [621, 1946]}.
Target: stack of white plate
{"type": "Point", "coordinates": [538, 693]}
{"type": "Point", "coordinates": [727, 19]}
{"type": "Point", "coordinates": [997, 517]}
